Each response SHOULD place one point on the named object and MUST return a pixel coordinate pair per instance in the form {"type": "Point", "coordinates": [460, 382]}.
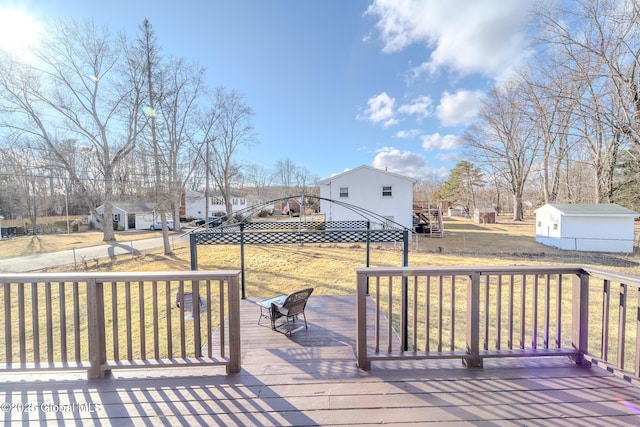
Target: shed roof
{"type": "Point", "coordinates": [600, 209]}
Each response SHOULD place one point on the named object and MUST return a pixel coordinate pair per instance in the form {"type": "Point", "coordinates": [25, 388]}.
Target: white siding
{"type": "Point", "coordinates": [365, 191]}
{"type": "Point", "coordinates": [585, 232]}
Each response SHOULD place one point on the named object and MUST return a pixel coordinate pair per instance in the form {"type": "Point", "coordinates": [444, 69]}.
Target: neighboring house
{"type": "Point", "coordinates": [130, 215]}
{"type": "Point", "coordinates": [194, 204]}
{"type": "Point", "coordinates": [384, 194]}
{"type": "Point", "coordinates": [597, 227]}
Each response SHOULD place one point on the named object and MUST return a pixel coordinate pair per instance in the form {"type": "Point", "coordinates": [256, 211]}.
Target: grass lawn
{"type": "Point", "coordinates": [330, 267]}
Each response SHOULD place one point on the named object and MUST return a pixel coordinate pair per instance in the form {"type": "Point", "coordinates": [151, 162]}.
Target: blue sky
{"type": "Point", "coordinates": [336, 84]}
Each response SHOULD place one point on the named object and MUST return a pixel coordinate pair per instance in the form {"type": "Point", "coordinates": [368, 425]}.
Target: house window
{"type": "Point", "coordinates": [539, 223]}
{"type": "Point", "coordinates": [555, 226]}
{"type": "Point", "coordinates": [344, 191]}
{"type": "Point", "coordinates": [116, 217]}
{"type": "Point", "coordinates": [386, 191]}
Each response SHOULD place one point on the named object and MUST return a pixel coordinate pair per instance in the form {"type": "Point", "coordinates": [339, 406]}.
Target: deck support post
{"type": "Point", "coordinates": [96, 329]}
{"type": "Point", "coordinates": [580, 316]}
{"type": "Point", "coordinates": [473, 359]}
{"type": "Point", "coordinates": [233, 303]}
{"type": "Point", "coordinates": [364, 362]}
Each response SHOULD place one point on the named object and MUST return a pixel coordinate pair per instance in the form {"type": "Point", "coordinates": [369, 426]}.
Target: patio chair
{"type": "Point", "coordinates": [291, 308]}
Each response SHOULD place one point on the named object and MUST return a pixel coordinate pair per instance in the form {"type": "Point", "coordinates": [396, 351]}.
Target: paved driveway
{"type": "Point", "coordinates": [78, 256]}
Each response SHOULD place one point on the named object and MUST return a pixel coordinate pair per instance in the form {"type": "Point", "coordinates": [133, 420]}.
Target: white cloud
{"type": "Point", "coordinates": [440, 142]}
{"type": "Point", "coordinates": [419, 107]}
{"type": "Point", "coordinates": [401, 162]}
{"type": "Point", "coordinates": [407, 134]}
{"type": "Point", "coordinates": [459, 108]}
{"type": "Point", "coordinates": [380, 110]}
{"type": "Point", "coordinates": [480, 36]}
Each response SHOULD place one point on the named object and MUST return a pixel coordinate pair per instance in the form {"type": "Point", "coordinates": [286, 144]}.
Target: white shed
{"type": "Point", "coordinates": [375, 192]}
{"type": "Point", "coordinates": [594, 227]}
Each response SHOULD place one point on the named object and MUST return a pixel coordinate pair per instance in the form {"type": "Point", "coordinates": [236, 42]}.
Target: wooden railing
{"type": "Point", "coordinates": [474, 313]}
{"type": "Point", "coordinates": [105, 321]}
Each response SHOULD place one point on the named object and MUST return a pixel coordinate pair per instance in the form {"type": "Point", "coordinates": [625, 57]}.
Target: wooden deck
{"type": "Point", "coordinates": [311, 378]}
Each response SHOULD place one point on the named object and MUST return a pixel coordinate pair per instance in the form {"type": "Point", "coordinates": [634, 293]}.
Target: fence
{"type": "Point", "coordinates": [103, 321]}
{"type": "Point", "coordinates": [474, 313]}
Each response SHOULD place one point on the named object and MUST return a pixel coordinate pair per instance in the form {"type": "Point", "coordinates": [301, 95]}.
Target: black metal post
{"type": "Point", "coordinates": [242, 258]}
{"type": "Point", "coordinates": [368, 250]}
{"type": "Point", "coordinates": [194, 251]}
{"type": "Point", "coordinates": [405, 291]}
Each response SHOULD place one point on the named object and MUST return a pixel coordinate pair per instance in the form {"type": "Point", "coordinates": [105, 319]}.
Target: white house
{"type": "Point", "coordinates": [129, 216]}
{"type": "Point", "coordinates": [377, 195]}
{"type": "Point", "coordinates": [596, 227]}
{"type": "Point", "coordinates": [194, 204]}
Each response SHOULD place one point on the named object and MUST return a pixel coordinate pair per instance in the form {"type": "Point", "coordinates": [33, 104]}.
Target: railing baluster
{"type": "Point", "coordinates": [143, 334]}
{"type": "Point", "coordinates": [499, 313]}
{"type": "Point", "coordinates": [547, 309]}
{"type": "Point", "coordinates": [485, 340]}
{"type": "Point", "coordinates": [197, 337]}
{"type": "Point", "coordinates": [35, 321]}
{"type": "Point", "coordinates": [511, 297]}
{"type": "Point", "coordinates": [129, 321]}
{"type": "Point", "coordinates": [415, 313]}
{"type": "Point", "coordinates": [22, 325]}
{"type": "Point", "coordinates": [440, 311]}
{"type": "Point", "coordinates": [169, 304]}
{"type": "Point", "coordinates": [156, 323]}
{"type": "Point", "coordinates": [523, 313]}
{"type": "Point", "coordinates": [452, 345]}
{"type": "Point", "coordinates": [637, 358]}
{"type": "Point", "coordinates": [114, 318]}
{"type": "Point", "coordinates": [622, 315]}
{"type": "Point", "coordinates": [76, 322]}
{"type": "Point", "coordinates": [377, 345]}
{"type": "Point", "coordinates": [222, 316]}
{"type": "Point", "coordinates": [559, 312]}
{"type": "Point", "coordinates": [427, 321]}
{"type": "Point", "coordinates": [604, 351]}
{"type": "Point", "coordinates": [183, 348]}
{"type": "Point", "coordinates": [534, 333]}
{"type": "Point", "coordinates": [7, 323]}
{"type": "Point", "coordinates": [209, 325]}
{"type": "Point", "coordinates": [390, 325]}
{"type": "Point", "coordinates": [49, 317]}
{"type": "Point", "coordinates": [63, 322]}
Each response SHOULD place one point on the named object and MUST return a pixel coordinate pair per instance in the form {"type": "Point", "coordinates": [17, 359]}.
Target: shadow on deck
{"type": "Point", "coordinates": [311, 378]}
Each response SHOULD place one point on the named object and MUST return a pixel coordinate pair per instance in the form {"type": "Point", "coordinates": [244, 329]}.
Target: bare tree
{"type": "Point", "coordinates": [505, 138]}
{"type": "Point", "coordinates": [79, 87]}
{"type": "Point", "coordinates": [229, 127]}
{"type": "Point", "coordinates": [285, 174]}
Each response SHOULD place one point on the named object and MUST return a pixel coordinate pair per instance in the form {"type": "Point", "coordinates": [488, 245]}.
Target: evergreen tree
{"type": "Point", "coordinates": [460, 188]}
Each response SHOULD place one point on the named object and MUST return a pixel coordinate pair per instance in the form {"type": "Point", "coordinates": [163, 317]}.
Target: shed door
{"type": "Point", "coordinates": [131, 221]}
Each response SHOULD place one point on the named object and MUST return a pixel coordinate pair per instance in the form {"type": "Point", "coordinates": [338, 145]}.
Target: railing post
{"type": "Point", "coordinates": [96, 329]}
{"type": "Point", "coordinates": [580, 316]}
{"type": "Point", "coordinates": [193, 245]}
{"type": "Point", "coordinates": [473, 358]}
{"type": "Point", "coordinates": [361, 322]}
{"type": "Point", "coordinates": [234, 324]}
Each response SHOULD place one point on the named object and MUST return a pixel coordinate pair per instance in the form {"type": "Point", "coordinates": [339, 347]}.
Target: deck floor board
{"type": "Point", "coordinates": [311, 378]}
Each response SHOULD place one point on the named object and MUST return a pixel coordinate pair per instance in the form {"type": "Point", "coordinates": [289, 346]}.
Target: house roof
{"type": "Point", "coordinates": [601, 209]}
{"type": "Point", "coordinates": [364, 167]}
{"type": "Point", "coordinates": [135, 207]}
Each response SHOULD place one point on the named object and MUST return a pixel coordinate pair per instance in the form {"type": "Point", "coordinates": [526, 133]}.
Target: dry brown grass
{"type": "Point", "coordinates": [329, 268]}
{"type": "Point", "coordinates": [44, 243]}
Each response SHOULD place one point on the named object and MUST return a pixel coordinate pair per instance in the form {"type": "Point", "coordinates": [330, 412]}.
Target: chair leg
{"type": "Point", "coordinates": [305, 320]}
